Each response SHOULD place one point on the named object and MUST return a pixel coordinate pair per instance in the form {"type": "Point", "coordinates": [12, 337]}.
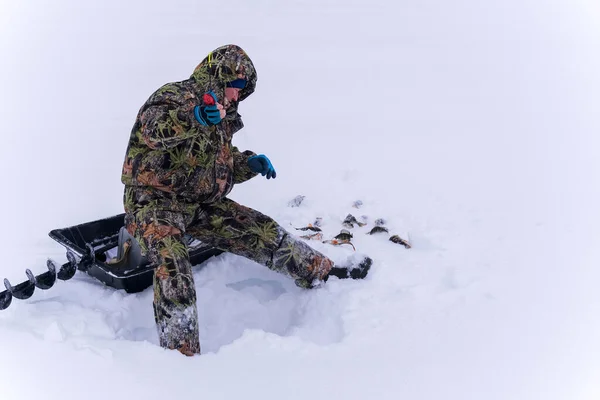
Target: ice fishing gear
{"type": "Point", "coordinates": [44, 281]}
{"type": "Point", "coordinates": [104, 250]}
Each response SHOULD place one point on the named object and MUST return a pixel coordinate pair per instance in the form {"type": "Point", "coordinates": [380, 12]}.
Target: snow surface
{"type": "Point", "coordinates": [470, 125]}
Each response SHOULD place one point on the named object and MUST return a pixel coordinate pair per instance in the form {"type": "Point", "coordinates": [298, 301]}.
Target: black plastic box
{"type": "Point", "coordinates": [102, 236]}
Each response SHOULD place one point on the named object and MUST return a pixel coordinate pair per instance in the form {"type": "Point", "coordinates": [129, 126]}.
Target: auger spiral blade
{"type": "Point", "coordinates": [67, 270]}
{"type": "Point", "coordinates": [43, 281]}
{"type": "Point", "coordinates": [5, 299]}
{"type": "Point", "coordinates": [47, 279]}
{"type": "Point", "coordinates": [23, 290]}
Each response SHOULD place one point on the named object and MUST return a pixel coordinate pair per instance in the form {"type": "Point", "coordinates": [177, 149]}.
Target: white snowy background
{"type": "Point", "coordinates": [471, 126]}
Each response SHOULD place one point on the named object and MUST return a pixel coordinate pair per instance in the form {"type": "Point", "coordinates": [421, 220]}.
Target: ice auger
{"type": "Point", "coordinates": [104, 250]}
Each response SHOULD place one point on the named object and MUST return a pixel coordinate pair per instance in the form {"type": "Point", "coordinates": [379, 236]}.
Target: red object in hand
{"type": "Point", "coordinates": [208, 99]}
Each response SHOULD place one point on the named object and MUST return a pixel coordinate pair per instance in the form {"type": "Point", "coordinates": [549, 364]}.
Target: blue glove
{"type": "Point", "coordinates": [262, 165]}
{"type": "Point", "coordinates": [208, 115]}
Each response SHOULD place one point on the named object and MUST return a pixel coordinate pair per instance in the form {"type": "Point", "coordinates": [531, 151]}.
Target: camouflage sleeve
{"type": "Point", "coordinates": [166, 121]}
{"type": "Point", "coordinates": [241, 171]}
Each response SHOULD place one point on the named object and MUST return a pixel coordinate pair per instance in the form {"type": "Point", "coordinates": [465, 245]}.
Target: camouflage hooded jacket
{"type": "Point", "coordinates": [170, 151]}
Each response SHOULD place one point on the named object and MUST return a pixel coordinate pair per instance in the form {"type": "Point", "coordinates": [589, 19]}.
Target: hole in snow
{"type": "Point", "coordinates": [235, 294]}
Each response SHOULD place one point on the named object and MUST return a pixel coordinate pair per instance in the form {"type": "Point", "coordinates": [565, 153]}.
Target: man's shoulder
{"type": "Point", "coordinates": [177, 92]}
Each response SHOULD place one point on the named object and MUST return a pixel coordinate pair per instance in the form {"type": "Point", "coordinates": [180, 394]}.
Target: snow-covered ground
{"type": "Point", "coordinates": [471, 126]}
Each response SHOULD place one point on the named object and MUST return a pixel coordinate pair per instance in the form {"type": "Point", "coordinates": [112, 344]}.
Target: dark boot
{"type": "Point", "coordinates": [352, 269]}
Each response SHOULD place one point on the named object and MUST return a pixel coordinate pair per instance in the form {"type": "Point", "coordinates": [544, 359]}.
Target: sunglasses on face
{"type": "Point", "coordinates": [238, 83]}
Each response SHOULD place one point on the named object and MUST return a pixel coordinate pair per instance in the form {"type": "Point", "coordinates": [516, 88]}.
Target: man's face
{"type": "Point", "coordinates": [231, 95]}
{"type": "Point", "coordinates": [233, 89]}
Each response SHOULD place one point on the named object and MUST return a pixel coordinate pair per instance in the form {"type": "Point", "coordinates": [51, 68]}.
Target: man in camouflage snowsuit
{"type": "Point", "coordinates": [179, 166]}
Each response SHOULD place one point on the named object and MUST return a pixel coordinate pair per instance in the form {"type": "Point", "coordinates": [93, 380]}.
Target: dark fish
{"type": "Point", "coordinates": [399, 240]}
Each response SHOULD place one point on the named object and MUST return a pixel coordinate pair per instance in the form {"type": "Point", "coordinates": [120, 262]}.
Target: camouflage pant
{"type": "Point", "coordinates": [225, 225]}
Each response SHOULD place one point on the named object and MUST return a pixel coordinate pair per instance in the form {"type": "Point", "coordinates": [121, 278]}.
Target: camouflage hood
{"type": "Point", "coordinates": [225, 64]}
